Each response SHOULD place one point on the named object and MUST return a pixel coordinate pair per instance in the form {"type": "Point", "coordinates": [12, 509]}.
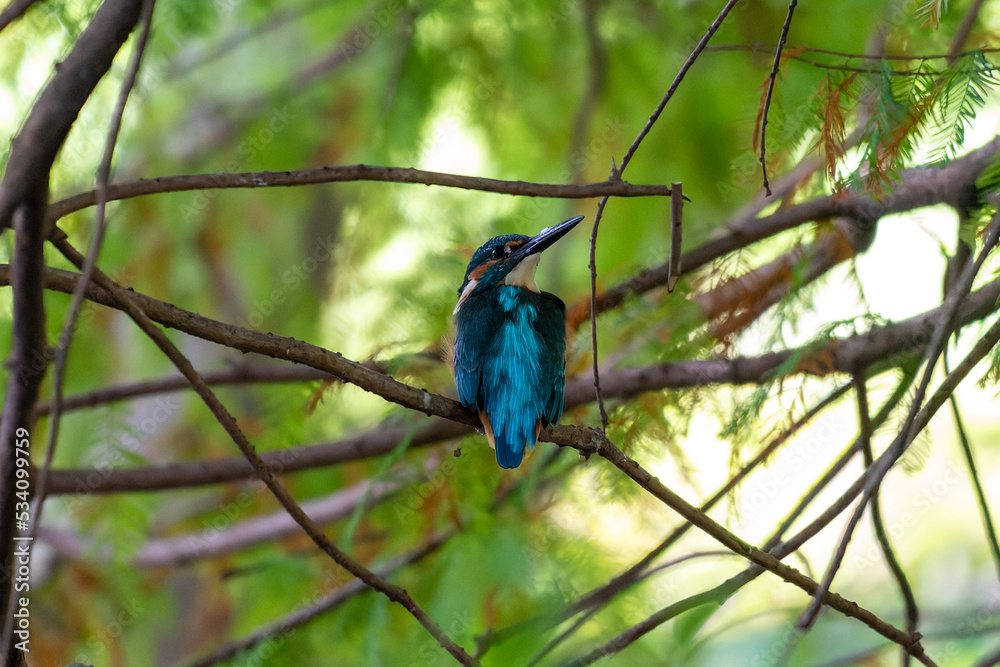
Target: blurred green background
{"type": "Point", "coordinates": [509, 90]}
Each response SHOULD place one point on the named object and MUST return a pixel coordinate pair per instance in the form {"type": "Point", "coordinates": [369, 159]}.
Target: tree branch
{"type": "Point", "coordinates": [69, 325]}
{"type": "Point", "coordinates": [353, 173]}
{"type": "Point", "coordinates": [14, 11]}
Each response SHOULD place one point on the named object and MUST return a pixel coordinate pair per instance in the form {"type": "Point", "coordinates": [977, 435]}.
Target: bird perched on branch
{"type": "Point", "coordinates": [510, 346]}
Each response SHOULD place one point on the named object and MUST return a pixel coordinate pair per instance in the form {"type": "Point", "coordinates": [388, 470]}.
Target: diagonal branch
{"type": "Point", "coordinates": [14, 11]}
{"type": "Point", "coordinates": [881, 535]}
{"type": "Point", "coordinates": [34, 149]}
{"type": "Point", "coordinates": [607, 450]}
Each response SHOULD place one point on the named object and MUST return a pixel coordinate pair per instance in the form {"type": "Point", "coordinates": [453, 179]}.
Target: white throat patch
{"type": "Point", "coordinates": [523, 275]}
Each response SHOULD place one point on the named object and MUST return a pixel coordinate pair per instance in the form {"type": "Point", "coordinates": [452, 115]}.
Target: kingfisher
{"type": "Point", "coordinates": [510, 345]}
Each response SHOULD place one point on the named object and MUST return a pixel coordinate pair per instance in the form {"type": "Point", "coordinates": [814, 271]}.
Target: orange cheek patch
{"type": "Point", "coordinates": [480, 270]}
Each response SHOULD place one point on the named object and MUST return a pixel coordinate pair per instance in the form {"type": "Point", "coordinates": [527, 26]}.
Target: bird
{"type": "Point", "coordinates": [510, 343]}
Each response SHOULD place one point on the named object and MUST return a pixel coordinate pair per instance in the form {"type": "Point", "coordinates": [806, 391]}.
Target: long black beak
{"type": "Point", "coordinates": [543, 240]}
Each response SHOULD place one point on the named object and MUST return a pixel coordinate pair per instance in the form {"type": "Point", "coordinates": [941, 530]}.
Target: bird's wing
{"type": "Point", "coordinates": [554, 366]}
{"type": "Point", "coordinates": [468, 371]}
{"type": "Point", "coordinates": [472, 338]}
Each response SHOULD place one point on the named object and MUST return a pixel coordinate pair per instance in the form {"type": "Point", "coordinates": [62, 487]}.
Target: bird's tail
{"type": "Point", "coordinates": [509, 447]}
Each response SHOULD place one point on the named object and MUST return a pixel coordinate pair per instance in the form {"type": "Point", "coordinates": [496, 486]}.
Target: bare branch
{"type": "Point", "coordinates": [953, 184]}
{"type": "Point", "coordinates": [353, 173]}
{"type": "Point", "coordinates": [27, 364]}
{"type": "Point", "coordinates": [867, 430]}
{"type": "Point", "coordinates": [34, 149]}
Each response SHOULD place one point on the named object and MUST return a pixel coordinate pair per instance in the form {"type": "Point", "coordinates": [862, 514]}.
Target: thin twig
{"type": "Point", "coordinates": [770, 91]}
{"type": "Point", "coordinates": [598, 395]}
{"type": "Point", "coordinates": [881, 535]}
{"type": "Point", "coordinates": [616, 174]}
{"type": "Point", "coordinates": [676, 235]}
{"type": "Point", "coordinates": [977, 485]}
{"type": "Point", "coordinates": [79, 294]}
{"type": "Point", "coordinates": [266, 474]}
{"type": "Point", "coordinates": [699, 47]}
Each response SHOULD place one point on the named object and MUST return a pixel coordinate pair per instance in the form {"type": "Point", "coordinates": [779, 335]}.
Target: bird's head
{"type": "Point", "coordinates": [510, 259]}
